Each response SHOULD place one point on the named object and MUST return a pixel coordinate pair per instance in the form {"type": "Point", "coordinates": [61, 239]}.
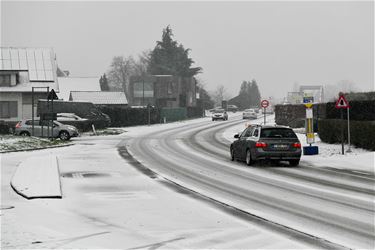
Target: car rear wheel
{"type": "Point", "coordinates": [249, 161]}
{"type": "Point", "coordinates": [293, 163]}
{"type": "Point", "coordinates": [24, 133]}
{"type": "Point", "coordinates": [64, 136]}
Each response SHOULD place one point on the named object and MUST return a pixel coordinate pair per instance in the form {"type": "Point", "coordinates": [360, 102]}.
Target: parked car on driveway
{"type": "Point", "coordinates": [232, 108]}
{"type": "Point", "coordinates": [59, 130]}
{"type": "Point", "coordinates": [259, 142]}
{"type": "Point", "coordinates": [65, 117]}
{"type": "Point", "coordinates": [82, 124]}
{"type": "Point", "coordinates": [219, 114]}
{"type": "Point", "coordinates": [249, 114]}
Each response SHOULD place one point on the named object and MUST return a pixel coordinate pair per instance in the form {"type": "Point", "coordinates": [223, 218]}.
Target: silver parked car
{"type": "Point", "coordinates": [59, 130]}
{"type": "Point", "coordinates": [67, 117]}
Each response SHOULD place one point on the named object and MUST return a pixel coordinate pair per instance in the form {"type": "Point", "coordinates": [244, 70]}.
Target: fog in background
{"type": "Point", "coordinates": [279, 44]}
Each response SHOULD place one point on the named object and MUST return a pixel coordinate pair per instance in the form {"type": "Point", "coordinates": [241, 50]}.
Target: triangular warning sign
{"type": "Point", "coordinates": [342, 103]}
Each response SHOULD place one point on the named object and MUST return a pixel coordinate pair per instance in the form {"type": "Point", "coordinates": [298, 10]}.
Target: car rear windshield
{"type": "Point", "coordinates": [277, 133]}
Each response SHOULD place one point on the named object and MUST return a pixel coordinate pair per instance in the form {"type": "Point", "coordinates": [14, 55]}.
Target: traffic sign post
{"type": "Point", "coordinates": [341, 104]}
{"type": "Point", "coordinates": [310, 136]}
{"type": "Point", "coordinates": [264, 104]}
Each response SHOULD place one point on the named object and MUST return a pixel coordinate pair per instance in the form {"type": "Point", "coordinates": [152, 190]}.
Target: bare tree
{"type": "Point", "coordinates": [219, 95]}
{"type": "Point", "coordinates": [119, 73]}
{"type": "Point", "coordinates": [141, 65]}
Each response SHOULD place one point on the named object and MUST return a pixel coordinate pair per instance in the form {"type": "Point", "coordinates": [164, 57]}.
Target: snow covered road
{"type": "Point", "coordinates": [187, 194]}
{"type": "Point", "coordinates": [320, 204]}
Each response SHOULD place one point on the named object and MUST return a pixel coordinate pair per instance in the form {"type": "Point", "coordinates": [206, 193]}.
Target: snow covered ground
{"type": "Point", "coordinates": [120, 208]}
{"type": "Point", "coordinates": [107, 204]}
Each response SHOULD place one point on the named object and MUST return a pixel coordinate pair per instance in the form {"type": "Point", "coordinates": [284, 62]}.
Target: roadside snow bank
{"type": "Point", "coordinates": [38, 177]}
{"type": "Point", "coordinates": [329, 154]}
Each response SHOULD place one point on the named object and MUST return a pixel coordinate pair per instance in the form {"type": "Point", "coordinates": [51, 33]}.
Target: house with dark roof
{"type": "Point", "coordinates": [164, 91]}
{"type": "Point", "coordinates": [100, 98]}
{"type": "Point", "coordinates": [26, 74]}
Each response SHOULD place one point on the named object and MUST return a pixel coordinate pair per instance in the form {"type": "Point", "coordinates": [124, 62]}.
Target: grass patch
{"type": "Point", "coordinates": [15, 143]}
{"type": "Point", "coordinates": [108, 131]}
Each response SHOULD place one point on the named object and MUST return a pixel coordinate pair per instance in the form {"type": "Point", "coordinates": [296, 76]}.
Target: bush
{"type": "Point", "coordinates": [359, 111]}
{"type": "Point", "coordinates": [194, 112]}
{"type": "Point", "coordinates": [4, 128]}
{"type": "Point", "coordinates": [362, 133]}
{"type": "Point", "coordinates": [122, 117]}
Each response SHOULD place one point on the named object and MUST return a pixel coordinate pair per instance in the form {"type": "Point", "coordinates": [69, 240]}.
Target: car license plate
{"type": "Point", "coordinates": [280, 146]}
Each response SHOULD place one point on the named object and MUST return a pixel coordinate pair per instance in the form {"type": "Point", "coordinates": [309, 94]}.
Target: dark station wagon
{"type": "Point", "coordinates": [263, 142]}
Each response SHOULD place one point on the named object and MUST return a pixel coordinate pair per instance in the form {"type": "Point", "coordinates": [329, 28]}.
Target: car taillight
{"type": "Point", "coordinates": [296, 145]}
{"type": "Point", "coordinates": [18, 125]}
{"type": "Point", "coordinates": [260, 145]}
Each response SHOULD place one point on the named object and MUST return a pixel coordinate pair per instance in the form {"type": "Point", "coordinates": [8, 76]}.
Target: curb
{"type": "Point", "coordinates": [32, 149]}
{"type": "Point", "coordinates": [38, 177]}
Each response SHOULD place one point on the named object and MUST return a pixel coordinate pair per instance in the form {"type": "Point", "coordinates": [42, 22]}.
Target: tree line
{"type": "Point", "coordinates": [169, 58]}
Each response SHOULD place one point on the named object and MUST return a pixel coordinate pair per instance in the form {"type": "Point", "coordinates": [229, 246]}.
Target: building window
{"type": "Point", "coordinates": [8, 109]}
{"type": "Point", "coordinates": [170, 91]}
{"type": "Point", "coordinates": [4, 80]}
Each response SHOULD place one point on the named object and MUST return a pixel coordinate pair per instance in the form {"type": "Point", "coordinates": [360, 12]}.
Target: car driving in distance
{"type": "Point", "coordinates": [219, 114]}
{"type": "Point", "coordinates": [249, 114]}
{"type": "Point", "coordinates": [59, 130]}
{"type": "Point", "coordinates": [265, 142]}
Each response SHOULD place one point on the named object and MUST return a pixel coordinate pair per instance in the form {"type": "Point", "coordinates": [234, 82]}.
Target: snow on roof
{"type": "Point", "coordinates": [99, 97]}
{"type": "Point", "coordinates": [27, 87]}
{"type": "Point", "coordinates": [68, 84]}
{"type": "Point", "coordinates": [39, 65]}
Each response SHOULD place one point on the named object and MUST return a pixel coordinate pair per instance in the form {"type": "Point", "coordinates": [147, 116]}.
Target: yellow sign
{"type": "Point", "coordinates": [310, 138]}
{"type": "Point", "coordinates": [308, 105]}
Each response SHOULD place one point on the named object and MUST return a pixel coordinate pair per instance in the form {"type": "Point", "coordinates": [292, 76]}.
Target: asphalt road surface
{"type": "Point", "coordinates": [325, 207]}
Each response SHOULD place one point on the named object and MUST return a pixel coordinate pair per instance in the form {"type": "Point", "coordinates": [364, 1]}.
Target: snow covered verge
{"type": "Point", "coordinates": [10, 143]}
{"type": "Point", "coordinates": [329, 156]}
{"type": "Point", "coordinates": [38, 177]}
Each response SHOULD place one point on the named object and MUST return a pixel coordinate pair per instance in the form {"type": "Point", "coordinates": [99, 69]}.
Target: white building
{"type": "Point", "coordinates": [21, 69]}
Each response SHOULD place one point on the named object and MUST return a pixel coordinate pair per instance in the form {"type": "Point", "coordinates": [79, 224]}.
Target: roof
{"type": "Point", "coordinates": [68, 84]}
{"type": "Point", "coordinates": [99, 97]}
{"type": "Point", "coordinates": [27, 87]}
{"type": "Point", "coordinates": [38, 65]}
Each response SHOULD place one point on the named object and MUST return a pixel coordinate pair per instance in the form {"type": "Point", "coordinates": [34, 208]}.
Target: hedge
{"type": "Point", "coordinates": [122, 117]}
{"type": "Point", "coordinates": [359, 111]}
{"type": "Point", "coordinates": [362, 133]}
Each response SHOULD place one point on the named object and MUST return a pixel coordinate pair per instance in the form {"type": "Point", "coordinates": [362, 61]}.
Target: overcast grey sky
{"type": "Point", "coordinates": [276, 43]}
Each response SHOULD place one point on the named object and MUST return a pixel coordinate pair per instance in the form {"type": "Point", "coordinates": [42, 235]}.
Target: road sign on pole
{"type": "Point", "coordinates": [264, 104]}
{"type": "Point", "coordinates": [341, 104]}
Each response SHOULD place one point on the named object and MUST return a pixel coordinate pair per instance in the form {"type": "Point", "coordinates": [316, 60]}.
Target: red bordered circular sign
{"type": "Point", "coordinates": [264, 103]}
